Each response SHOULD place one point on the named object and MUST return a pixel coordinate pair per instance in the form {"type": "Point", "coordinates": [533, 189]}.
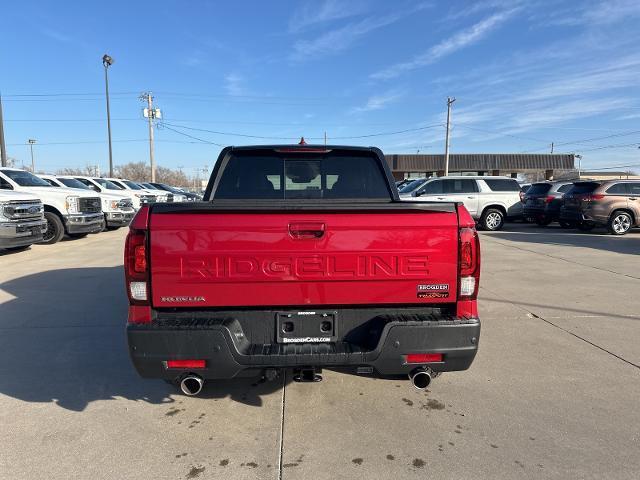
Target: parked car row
{"type": "Point", "coordinates": [614, 204]}
{"type": "Point", "coordinates": [492, 200]}
{"type": "Point", "coordinates": [45, 208]}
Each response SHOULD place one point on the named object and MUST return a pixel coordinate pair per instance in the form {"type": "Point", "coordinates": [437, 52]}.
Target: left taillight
{"type": "Point", "coordinates": [468, 263]}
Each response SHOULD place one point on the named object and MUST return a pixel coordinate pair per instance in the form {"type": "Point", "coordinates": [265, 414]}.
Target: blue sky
{"type": "Point", "coordinates": [524, 74]}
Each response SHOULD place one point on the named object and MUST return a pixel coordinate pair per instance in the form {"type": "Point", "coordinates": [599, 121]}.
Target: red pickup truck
{"type": "Point", "coordinates": [303, 258]}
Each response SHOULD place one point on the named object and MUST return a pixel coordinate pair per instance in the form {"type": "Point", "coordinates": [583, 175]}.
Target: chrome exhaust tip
{"type": "Point", "coordinates": [191, 385]}
{"type": "Point", "coordinates": [420, 378]}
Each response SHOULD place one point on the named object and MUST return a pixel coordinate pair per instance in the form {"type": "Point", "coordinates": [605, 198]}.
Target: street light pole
{"type": "Point", "coordinates": [107, 61]}
{"type": "Point", "coordinates": [31, 142]}
{"type": "Point", "coordinates": [579, 166]}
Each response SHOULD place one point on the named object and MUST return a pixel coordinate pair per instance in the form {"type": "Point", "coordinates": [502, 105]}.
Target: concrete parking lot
{"type": "Point", "coordinates": [554, 391]}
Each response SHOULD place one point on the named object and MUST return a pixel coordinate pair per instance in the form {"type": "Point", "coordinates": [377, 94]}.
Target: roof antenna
{"type": "Point", "coordinates": [302, 142]}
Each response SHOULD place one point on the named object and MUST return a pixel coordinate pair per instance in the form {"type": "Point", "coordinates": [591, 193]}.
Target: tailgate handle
{"type": "Point", "coordinates": [302, 230]}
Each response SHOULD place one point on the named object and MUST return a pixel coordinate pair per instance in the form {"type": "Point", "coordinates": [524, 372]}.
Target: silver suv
{"type": "Point", "coordinates": [489, 200]}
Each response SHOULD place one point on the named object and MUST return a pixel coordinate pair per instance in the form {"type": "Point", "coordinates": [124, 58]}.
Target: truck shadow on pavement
{"type": "Point", "coordinates": [596, 239]}
{"type": "Point", "coordinates": [62, 340]}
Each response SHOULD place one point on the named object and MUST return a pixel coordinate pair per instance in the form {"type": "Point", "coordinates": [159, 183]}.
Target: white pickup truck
{"type": "Point", "coordinates": [146, 195]}
{"type": "Point", "coordinates": [21, 220]}
{"type": "Point", "coordinates": [117, 207]}
{"type": "Point", "coordinates": [66, 210]}
{"type": "Point", "coordinates": [140, 195]}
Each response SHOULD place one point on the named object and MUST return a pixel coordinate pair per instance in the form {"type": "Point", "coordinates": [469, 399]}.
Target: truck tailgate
{"type": "Point", "coordinates": [214, 259]}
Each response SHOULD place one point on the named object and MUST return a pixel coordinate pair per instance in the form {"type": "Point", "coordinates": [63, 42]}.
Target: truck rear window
{"type": "Point", "coordinates": [253, 175]}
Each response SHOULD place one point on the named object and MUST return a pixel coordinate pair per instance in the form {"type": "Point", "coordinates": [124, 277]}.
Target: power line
{"type": "Point", "coordinates": [265, 100]}
{"type": "Point", "coordinates": [498, 133]}
{"type": "Point", "coordinates": [97, 142]}
{"type": "Point", "coordinates": [587, 141]}
{"type": "Point", "coordinates": [584, 141]}
{"type": "Point", "coordinates": [264, 137]}
{"type": "Point", "coordinates": [21, 95]}
{"type": "Point", "coordinates": [248, 97]}
{"type": "Point", "coordinates": [398, 132]}
{"type": "Point", "coordinates": [233, 134]}
{"type": "Point", "coordinates": [164, 125]}
{"type": "Point", "coordinates": [69, 120]}
{"type": "Point", "coordinates": [86, 142]}
{"type": "Point", "coordinates": [61, 99]}
{"type": "Point", "coordinates": [614, 167]}
{"type": "Point", "coordinates": [620, 145]}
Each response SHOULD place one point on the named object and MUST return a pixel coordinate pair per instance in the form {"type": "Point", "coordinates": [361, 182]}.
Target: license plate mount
{"type": "Point", "coordinates": [307, 326]}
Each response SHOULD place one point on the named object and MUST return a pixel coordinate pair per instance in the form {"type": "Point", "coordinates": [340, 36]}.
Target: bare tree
{"type": "Point", "coordinates": [88, 170]}
{"type": "Point", "coordinates": [172, 177]}
{"type": "Point", "coordinates": [134, 171]}
{"type": "Point", "coordinates": [141, 172]}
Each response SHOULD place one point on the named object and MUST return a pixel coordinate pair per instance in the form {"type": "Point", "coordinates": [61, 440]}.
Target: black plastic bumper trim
{"type": "Point", "coordinates": [227, 353]}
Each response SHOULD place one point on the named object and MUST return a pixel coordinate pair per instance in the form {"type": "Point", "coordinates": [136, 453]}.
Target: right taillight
{"type": "Point", "coordinates": [468, 263]}
{"type": "Point", "coordinates": [593, 197]}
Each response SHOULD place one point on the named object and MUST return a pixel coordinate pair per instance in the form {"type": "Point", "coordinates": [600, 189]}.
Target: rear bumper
{"type": "Point", "coordinates": [84, 223]}
{"type": "Point", "coordinates": [572, 215]}
{"type": "Point", "coordinates": [228, 354]}
{"type": "Point", "coordinates": [538, 212]}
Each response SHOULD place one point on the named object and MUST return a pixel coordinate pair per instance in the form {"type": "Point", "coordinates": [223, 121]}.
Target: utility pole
{"type": "Point", "coordinates": [325, 139]}
{"type": "Point", "coordinates": [446, 145]}
{"type": "Point", "coordinates": [32, 142]}
{"type": "Point", "coordinates": [552, 147]}
{"type": "Point", "coordinates": [3, 146]}
{"type": "Point", "coordinates": [151, 114]}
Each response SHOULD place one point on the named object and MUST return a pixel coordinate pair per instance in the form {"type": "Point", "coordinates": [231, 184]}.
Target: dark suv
{"type": "Point", "coordinates": [613, 203]}
{"type": "Point", "coordinates": [542, 201]}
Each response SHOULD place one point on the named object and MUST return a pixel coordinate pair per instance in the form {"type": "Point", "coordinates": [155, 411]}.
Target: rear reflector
{"type": "Point", "coordinates": [138, 290]}
{"type": "Point", "coordinates": [185, 363]}
{"type": "Point", "coordinates": [423, 357]}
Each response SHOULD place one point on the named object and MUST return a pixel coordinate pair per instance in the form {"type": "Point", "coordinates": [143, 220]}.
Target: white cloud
{"type": "Point", "coordinates": [195, 59]}
{"type": "Point", "coordinates": [56, 35]}
{"type": "Point", "coordinates": [337, 40]}
{"type": "Point", "coordinates": [460, 40]}
{"type": "Point", "coordinates": [630, 116]}
{"type": "Point", "coordinates": [234, 84]}
{"type": "Point", "coordinates": [598, 13]}
{"type": "Point", "coordinates": [378, 102]}
{"type": "Point", "coordinates": [313, 13]}
{"type": "Point", "coordinates": [479, 6]}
